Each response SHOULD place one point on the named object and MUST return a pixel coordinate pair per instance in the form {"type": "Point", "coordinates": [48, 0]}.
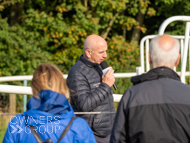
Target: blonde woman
{"type": "Point", "coordinates": [49, 113]}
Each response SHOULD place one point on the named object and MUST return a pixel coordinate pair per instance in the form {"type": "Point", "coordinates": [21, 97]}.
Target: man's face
{"type": "Point", "coordinates": [98, 54]}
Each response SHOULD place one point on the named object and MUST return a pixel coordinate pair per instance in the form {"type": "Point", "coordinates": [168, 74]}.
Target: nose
{"type": "Point", "coordinates": [105, 55]}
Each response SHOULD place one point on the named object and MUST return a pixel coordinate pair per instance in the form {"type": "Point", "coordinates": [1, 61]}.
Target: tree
{"type": "Point", "coordinates": [54, 31]}
{"type": "Point", "coordinates": [19, 53]}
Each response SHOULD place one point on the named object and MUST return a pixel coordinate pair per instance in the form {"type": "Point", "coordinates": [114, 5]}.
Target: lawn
{"type": "Point", "coordinates": [3, 126]}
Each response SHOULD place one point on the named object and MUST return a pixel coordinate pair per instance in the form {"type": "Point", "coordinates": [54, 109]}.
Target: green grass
{"type": "Point", "coordinates": [116, 105]}
{"type": "Point", "coordinates": [3, 127]}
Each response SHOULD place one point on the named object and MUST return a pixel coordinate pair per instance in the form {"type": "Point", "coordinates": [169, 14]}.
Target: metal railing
{"type": "Point", "coordinates": [144, 63]}
{"type": "Point", "coordinates": [28, 91]}
{"type": "Point", "coordinates": [184, 42]}
{"type": "Point", "coordinates": [25, 90]}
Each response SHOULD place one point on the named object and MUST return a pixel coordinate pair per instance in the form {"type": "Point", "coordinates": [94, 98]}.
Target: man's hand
{"type": "Point", "coordinates": [109, 77]}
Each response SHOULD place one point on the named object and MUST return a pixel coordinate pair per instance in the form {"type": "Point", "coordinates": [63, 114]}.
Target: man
{"type": "Point", "coordinates": [157, 108]}
{"type": "Point", "coordinates": [91, 91]}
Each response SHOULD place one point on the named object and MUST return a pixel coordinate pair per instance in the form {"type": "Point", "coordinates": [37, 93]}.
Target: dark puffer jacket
{"type": "Point", "coordinates": [89, 94]}
{"type": "Point", "coordinates": [155, 110]}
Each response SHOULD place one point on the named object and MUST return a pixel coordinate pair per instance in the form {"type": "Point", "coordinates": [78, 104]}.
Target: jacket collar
{"type": "Point", "coordinates": [156, 73]}
{"type": "Point", "coordinates": [87, 62]}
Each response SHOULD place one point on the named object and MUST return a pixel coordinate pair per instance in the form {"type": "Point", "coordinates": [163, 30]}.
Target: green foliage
{"type": "Point", "coordinates": [125, 54]}
{"type": "Point", "coordinates": [67, 58]}
{"type": "Point", "coordinates": [19, 52]}
{"type": "Point", "coordinates": [165, 9]}
{"type": "Point", "coordinates": [64, 28]}
{"type": "Point", "coordinates": [54, 31]}
{"type": "Point", "coordinates": [5, 3]}
{"type": "Point", "coordinates": [123, 57]}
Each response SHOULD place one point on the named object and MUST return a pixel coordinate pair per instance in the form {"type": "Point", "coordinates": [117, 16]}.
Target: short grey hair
{"type": "Point", "coordinates": [159, 56]}
{"type": "Point", "coordinates": [86, 46]}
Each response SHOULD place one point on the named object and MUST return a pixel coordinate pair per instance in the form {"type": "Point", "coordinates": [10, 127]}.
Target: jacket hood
{"type": "Point", "coordinates": [51, 106]}
{"type": "Point", "coordinates": [156, 73]}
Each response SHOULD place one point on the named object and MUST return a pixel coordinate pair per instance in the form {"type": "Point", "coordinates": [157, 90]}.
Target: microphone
{"type": "Point", "coordinates": [105, 68]}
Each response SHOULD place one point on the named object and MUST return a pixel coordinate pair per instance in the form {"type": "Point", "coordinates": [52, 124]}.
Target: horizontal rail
{"type": "Point", "coordinates": [15, 89]}
{"type": "Point", "coordinates": [125, 75]}
{"type": "Point", "coordinates": [18, 78]}
{"type": "Point", "coordinates": [28, 91]}
{"type": "Point", "coordinates": [172, 19]}
{"type": "Point", "coordinates": [29, 77]}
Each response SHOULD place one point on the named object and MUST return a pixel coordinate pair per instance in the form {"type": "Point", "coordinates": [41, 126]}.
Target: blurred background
{"type": "Point", "coordinates": [37, 31]}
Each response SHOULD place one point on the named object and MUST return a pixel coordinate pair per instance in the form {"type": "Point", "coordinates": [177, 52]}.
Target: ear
{"type": "Point", "coordinates": [149, 58]}
{"type": "Point", "coordinates": [88, 53]}
{"type": "Point", "coordinates": [177, 61]}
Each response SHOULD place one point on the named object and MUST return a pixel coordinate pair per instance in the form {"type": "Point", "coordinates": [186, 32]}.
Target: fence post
{"type": "Point", "coordinates": [138, 70]}
{"type": "Point", "coordinates": [12, 103]}
{"type": "Point", "coordinates": [24, 97]}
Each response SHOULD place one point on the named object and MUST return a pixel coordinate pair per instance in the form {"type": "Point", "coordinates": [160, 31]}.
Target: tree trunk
{"type": "Point", "coordinates": [124, 33]}
{"type": "Point", "coordinates": [105, 33]}
{"type": "Point", "coordinates": [15, 13]}
{"type": "Point", "coordinates": [136, 31]}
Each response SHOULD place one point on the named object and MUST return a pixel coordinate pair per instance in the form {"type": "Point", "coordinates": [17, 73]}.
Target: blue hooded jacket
{"type": "Point", "coordinates": [49, 114]}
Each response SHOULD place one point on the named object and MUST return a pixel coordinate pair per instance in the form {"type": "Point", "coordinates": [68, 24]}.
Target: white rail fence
{"type": "Point", "coordinates": [184, 41]}
{"type": "Point", "coordinates": [144, 64]}
{"type": "Point", "coordinates": [144, 49]}
{"type": "Point", "coordinates": [28, 91]}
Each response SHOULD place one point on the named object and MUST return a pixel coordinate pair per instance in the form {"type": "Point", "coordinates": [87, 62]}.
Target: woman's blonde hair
{"type": "Point", "coordinates": [48, 77]}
